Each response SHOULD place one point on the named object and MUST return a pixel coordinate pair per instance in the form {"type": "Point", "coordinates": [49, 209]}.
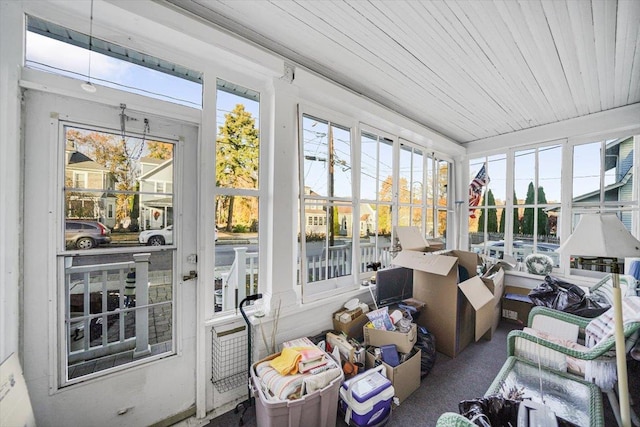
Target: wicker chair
{"type": "Point", "coordinates": [451, 419]}
{"type": "Point", "coordinates": [599, 358]}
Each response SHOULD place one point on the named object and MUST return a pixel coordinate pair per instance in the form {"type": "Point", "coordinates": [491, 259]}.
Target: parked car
{"type": "Point", "coordinates": [85, 234]}
{"type": "Point", "coordinates": [160, 237]}
{"type": "Point", "coordinates": [157, 237]}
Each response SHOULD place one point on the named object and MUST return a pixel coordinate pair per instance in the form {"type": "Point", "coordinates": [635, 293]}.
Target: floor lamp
{"type": "Point", "coordinates": [604, 235]}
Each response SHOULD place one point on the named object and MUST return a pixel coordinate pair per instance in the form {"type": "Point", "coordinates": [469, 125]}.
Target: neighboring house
{"type": "Point", "coordinates": [619, 184]}
{"type": "Point", "coordinates": [316, 218]}
{"type": "Point", "coordinates": [156, 210]}
{"type": "Point", "coordinates": [88, 187]}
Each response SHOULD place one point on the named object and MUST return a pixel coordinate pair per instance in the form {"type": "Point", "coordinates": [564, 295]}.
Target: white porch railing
{"type": "Point", "coordinates": [96, 300]}
{"type": "Point", "coordinates": [243, 273]}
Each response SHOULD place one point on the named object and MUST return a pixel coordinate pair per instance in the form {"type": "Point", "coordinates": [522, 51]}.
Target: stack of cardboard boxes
{"type": "Point", "coordinates": [457, 312]}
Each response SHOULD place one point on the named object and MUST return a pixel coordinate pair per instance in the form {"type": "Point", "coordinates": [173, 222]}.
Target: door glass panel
{"type": "Point", "coordinates": [118, 293]}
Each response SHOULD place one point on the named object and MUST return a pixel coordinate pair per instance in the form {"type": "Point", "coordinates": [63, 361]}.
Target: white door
{"type": "Point", "coordinates": [109, 243]}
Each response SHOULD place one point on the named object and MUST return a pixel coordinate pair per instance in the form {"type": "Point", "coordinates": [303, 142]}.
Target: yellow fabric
{"type": "Point", "coordinates": [287, 362]}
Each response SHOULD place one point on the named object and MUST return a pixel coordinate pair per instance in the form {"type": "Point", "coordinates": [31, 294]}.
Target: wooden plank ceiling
{"type": "Point", "coordinates": [468, 69]}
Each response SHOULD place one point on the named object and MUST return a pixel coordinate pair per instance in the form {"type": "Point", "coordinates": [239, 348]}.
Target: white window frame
{"type": "Point", "coordinates": [329, 287]}
{"type": "Point", "coordinates": [567, 209]}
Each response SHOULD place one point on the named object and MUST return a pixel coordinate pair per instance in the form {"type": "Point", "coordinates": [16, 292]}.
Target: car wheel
{"type": "Point", "coordinates": [155, 241]}
{"type": "Point", "coordinates": [85, 243]}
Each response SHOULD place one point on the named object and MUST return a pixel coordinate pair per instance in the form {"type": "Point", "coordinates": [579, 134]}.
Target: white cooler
{"type": "Point", "coordinates": [366, 398]}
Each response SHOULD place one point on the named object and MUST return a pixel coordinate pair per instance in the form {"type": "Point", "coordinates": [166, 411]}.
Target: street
{"type": "Point", "coordinates": [161, 259]}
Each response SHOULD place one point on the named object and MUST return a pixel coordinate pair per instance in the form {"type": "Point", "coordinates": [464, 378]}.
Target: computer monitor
{"type": "Point", "coordinates": [393, 285]}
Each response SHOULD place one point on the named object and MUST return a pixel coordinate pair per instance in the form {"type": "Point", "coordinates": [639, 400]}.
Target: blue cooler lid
{"type": "Point", "coordinates": [367, 385]}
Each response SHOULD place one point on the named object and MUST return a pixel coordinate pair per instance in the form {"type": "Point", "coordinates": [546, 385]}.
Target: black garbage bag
{"type": "Point", "coordinates": [564, 296]}
{"type": "Point", "coordinates": [490, 411]}
{"type": "Point", "coordinates": [426, 342]}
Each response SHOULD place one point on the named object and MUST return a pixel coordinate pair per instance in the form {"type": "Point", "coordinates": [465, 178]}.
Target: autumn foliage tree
{"type": "Point", "coordinates": [120, 157]}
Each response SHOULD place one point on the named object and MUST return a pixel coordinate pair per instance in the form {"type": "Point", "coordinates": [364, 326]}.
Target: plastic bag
{"type": "Point", "coordinates": [490, 411]}
{"type": "Point", "coordinates": [564, 296]}
{"type": "Point", "coordinates": [426, 342]}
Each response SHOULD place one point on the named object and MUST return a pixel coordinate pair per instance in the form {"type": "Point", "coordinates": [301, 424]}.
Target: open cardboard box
{"type": "Point", "coordinates": [404, 341]}
{"type": "Point", "coordinates": [494, 280]}
{"type": "Point", "coordinates": [411, 238]}
{"type": "Point", "coordinates": [353, 327]}
{"type": "Point", "coordinates": [456, 313]}
{"type": "Point", "coordinates": [405, 377]}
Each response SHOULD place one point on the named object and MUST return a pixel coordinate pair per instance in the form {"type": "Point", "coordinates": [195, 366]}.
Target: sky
{"type": "Point", "coordinates": [62, 58]}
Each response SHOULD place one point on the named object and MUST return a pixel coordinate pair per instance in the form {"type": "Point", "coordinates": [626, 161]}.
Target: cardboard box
{"type": "Point", "coordinates": [516, 305]}
{"type": "Point", "coordinates": [352, 328]}
{"type": "Point", "coordinates": [347, 351]}
{"type": "Point", "coordinates": [403, 341]}
{"type": "Point", "coordinates": [412, 239]}
{"type": "Point", "coordinates": [457, 314]}
{"type": "Point", "coordinates": [405, 377]}
{"type": "Point", "coordinates": [494, 281]}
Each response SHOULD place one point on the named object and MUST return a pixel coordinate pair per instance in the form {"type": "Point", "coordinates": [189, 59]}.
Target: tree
{"type": "Point", "coordinates": [237, 158]}
{"type": "Point", "coordinates": [542, 215]}
{"type": "Point", "coordinates": [516, 220]}
{"type": "Point", "coordinates": [492, 214]}
{"type": "Point", "coordinates": [160, 150]}
{"type": "Point", "coordinates": [119, 156]}
{"type": "Point", "coordinates": [527, 218]}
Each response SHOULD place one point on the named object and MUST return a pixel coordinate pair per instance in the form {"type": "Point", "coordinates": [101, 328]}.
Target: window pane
{"type": "Point", "coordinates": [416, 217]}
{"type": "Point", "coordinates": [373, 249]}
{"type": "Point", "coordinates": [368, 166]}
{"type": "Point", "coordinates": [111, 65]}
{"type": "Point", "coordinates": [121, 175]}
{"type": "Point", "coordinates": [103, 302]}
{"type": "Point", "coordinates": [497, 166]}
{"type": "Point", "coordinates": [417, 178]}
{"type": "Point", "coordinates": [328, 248]}
{"type": "Point", "coordinates": [405, 177]}
{"type": "Point", "coordinates": [341, 163]}
{"type": "Point", "coordinates": [238, 139]}
{"type": "Point", "coordinates": [524, 176]}
{"type": "Point", "coordinates": [429, 225]}
{"type": "Point", "coordinates": [385, 174]}
{"type": "Point", "coordinates": [384, 220]}
{"type": "Point", "coordinates": [404, 216]}
{"type": "Point", "coordinates": [315, 142]}
{"type": "Point", "coordinates": [549, 176]}
{"type": "Point", "coordinates": [236, 237]}
{"type": "Point", "coordinates": [443, 182]}
{"type": "Point", "coordinates": [586, 172]}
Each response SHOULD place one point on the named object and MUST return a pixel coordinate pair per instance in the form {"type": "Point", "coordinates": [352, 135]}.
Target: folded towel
{"type": "Point", "coordinates": [287, 362]}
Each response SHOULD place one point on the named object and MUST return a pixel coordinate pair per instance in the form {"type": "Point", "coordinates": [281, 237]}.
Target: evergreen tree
{"type": "Point", "coordinates": [491, 212]}
{"type": "Point", "coordinates": [516, 220]}
{"type": "Point", "coordinates": [543, 217]}
{"type": "Point", "coordinates": [527, 218]}
{"type": "Point", "coordinates": [237, 155]}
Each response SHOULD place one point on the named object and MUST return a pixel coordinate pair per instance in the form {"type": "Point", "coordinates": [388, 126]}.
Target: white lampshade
{"type": "Point", "coordinates": [601, 235]}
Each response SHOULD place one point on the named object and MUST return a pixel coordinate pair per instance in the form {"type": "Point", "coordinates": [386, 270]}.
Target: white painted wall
{"type": "Point", "coordinates": [148, 26]}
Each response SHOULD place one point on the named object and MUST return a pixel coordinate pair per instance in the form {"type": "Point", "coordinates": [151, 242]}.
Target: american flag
{"type": "Point", "coordinates": [475, 189]}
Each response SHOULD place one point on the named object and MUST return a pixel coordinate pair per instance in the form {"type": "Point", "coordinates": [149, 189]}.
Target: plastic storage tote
{"type": "Point", "coordinates": [319, 408]}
